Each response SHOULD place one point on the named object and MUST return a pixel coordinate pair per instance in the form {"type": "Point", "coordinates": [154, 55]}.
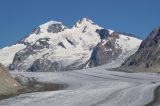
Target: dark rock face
{"type": "Point", "coordinates": [45, 65]}
{"type": "Point", "coordinates": [84, 30]}
{"type": "Point", "coordinates": [41, 65]}
{"type": "Point", "coordinates": [56, 66]}
{"type": "Point", "coordinates": [103, 33]}
{"type": "Point", "coordinates": [147, 58]}
{"type": "Point", "coordinates": [39, 44]}
{"type": "Point", "coordinates": [36, 31]}
{"type": "Point", "coordinates": [22, 55]}
{"type": "Point", "coordinates": [55, 28]}
{"type": "Point", "coordinates": [106, 51]}
{"type": "Point", "coordinates": [19, 57]}
{"type": "Point", "coordinates": [71, 41]}
{"type": "Point", "coordinates": [61, 44]}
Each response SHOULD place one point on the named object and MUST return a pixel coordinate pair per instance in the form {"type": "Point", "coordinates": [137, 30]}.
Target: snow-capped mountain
{"type": "Point", "coordinates": [113, 49]}
{"type": "Point", "coordinates": [54, 47]}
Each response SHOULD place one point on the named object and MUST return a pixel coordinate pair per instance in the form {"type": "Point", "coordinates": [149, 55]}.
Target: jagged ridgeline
{"type": "Point", "coordinates": [55, 47]}
{"type": "Point", "coordinates": [147, 58]}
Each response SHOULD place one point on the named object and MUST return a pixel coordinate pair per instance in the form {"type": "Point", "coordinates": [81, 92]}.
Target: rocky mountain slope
{"type": "Point", "coordinates": [8, 85]}
{"type": "Point", "coordinates": [114, 48]}
{"type": "Point", "coordinates": [55, 47]}
{"type": "Point", "coordinates": [147, 58]}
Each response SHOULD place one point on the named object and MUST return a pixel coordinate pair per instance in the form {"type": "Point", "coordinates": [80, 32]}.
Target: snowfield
{"type": "Point", "coordinates": [7, 54]}
{"type": "Point", "coordinates": [90, 87]}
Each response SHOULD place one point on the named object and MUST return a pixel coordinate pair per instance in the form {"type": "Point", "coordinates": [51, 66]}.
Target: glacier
{"type": "Point", "coordinates": [90, 87]}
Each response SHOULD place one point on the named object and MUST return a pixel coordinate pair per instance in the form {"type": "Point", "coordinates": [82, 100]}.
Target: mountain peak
{"type": "Point", "coordinates": [84, 22]}
{"type": "Point", "coordinates": [50, 23]}
{"type": "Point", "coordinates": [50, 27]}
{"type": "Point", "coordinates": [52, 47]}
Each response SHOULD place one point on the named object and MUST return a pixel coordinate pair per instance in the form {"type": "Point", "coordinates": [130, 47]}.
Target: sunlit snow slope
{"type": "Point", "coordinates": [7, 54]}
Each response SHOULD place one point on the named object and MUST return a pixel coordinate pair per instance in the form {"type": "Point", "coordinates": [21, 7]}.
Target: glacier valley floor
{"type": "Point", "coordinates": [90, 87]}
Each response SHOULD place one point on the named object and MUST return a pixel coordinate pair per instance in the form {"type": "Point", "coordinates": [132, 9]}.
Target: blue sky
{"type": "Point", "coordinates": [19, 17]}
